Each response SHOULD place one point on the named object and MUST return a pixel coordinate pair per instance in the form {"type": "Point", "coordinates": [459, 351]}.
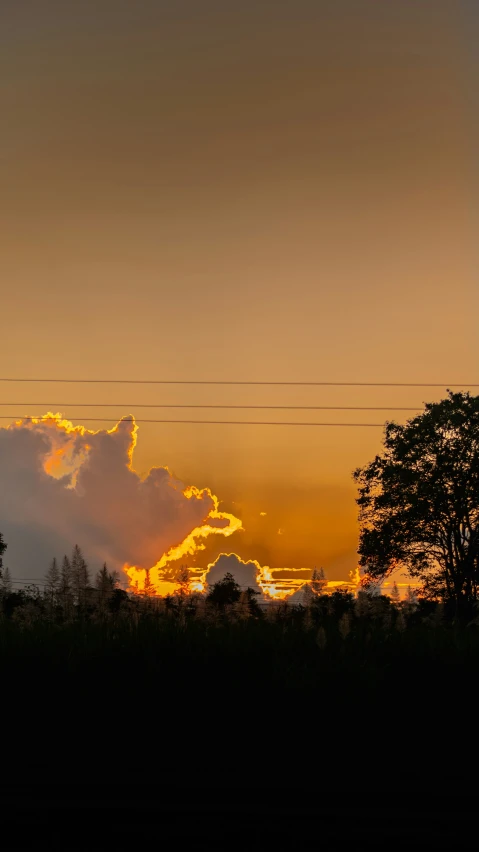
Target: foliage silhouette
{"type": "Point", "coordinates": [52, 579]}
{"type": "Point", "coordinates": [419, 501]}
{"type": "Point", "coordinates": [225, 592]}
{"type": "Point", "coordinates": [183, 579]}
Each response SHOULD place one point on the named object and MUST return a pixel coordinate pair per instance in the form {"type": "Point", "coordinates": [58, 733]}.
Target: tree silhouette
{"type": "Point", "coordinates": [65, 577]}
{"type": "Point", "coordinates": [242, 607]}
{"type": "Point", "coordinates": [419, 500]}
{"type": "Point", "coordinates": [247, 604]}
{"type": "Point", "coordinates": [226, 591]}
{"type": "Point", "coordinates": [318, 581]}
{"type": "Point", "coordinates": [80, 576]}
{"type": "Point", "coordinates": [148, 588]}
{"type": "Point", "coordinates": [254, 606]}
{"type": "Point", "coordinates": [395, 594]}
{"type": "Point", "coordinates": [3, 548]}
{"type": "Point", "coordinates": [105, 584]}
{"type": "Point", "coordinates": [52, 580]}
{"type": "Point", "coordinates": [105, 580]}
{"type": "Point", "coordinates": [183, 579]}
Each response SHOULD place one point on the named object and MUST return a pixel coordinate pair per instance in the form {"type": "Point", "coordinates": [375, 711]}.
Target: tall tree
{"type": "Point", "coordinates": [65, 584]}
{"type": "Point", "coordinates": [106, 583]}
{"type": "Point", "coordinates": [80, 575]}
{"type": "Point", "coordinates": [318, 581]}
{"type": "Point", "coordinates": [52, 580]}
{"type": "Point", "coordinates": [395, 594]}
{"type": "Point", "coordinates": [148, 588]}
{"type": "Point", "coordinates": [183, 578]}
{"type": "Point", "coordinates": [419, 500]}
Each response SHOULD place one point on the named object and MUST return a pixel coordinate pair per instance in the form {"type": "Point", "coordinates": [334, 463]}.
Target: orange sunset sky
{"type": "Point", "coordinates": [232, 191]}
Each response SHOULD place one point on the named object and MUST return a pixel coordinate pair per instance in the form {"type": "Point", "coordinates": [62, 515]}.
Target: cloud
{"type": "Point", "coordinates": [62, 484]}
{"type": "Point", "coordinates": [250, 573]}
{"type": "Point", "coordinates": [245, 573]}
{"type": "Point", "coordinates": [293, 574]}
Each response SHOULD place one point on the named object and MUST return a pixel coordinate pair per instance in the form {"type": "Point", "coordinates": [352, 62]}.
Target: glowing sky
{"type": "Point", "coordinates": [224, 190]}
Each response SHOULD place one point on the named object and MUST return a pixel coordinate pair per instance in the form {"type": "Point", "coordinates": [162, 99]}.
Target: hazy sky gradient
{"type": "Point", "coordinates": [277, 191]}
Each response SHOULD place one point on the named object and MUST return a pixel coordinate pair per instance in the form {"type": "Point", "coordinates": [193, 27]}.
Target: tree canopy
{"type": "Point", "coordinates": [419, 500]}
{"type": "Point", "coordinates": [225, 591]}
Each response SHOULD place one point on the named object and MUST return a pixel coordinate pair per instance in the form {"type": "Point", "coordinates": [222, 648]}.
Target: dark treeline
{"type": "Point", "coordinates": [73, 619]}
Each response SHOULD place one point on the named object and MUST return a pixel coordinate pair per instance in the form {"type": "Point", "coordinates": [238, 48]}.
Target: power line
{"type": "Point", "coordinates": [43, 582]}
{"type": "Point", "coordinates": [229, 382]}
{"type": "Point", "coordinates": [207, 422]}
{"type": "Point", "coordinates": [245, 407]}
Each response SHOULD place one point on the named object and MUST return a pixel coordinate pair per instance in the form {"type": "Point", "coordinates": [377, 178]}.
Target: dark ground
{"type": "Point", "coordinates": [272, 772]}
{"type": "Point", "coordinates": [97, 817]}
{"type": "Point", "coordinates": [103, 752]}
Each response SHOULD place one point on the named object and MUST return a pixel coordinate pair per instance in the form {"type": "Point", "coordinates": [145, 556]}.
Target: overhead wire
{"type": "Point", "coordinates": [207, 422]}
{"type": "Point", "coordinates": [57, 380]}
{"type": "Point", "coordinates": [217, 406]}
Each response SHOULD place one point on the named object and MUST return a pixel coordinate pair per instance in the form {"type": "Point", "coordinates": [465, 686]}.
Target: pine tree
{"type": "Point", "coordinates": [183, 579]}
{"type": "Point", "coordinates": [395, 595]}
{"type": "Point", "coordinates": [52, 580]}
{"type": "Point", "coordinates": [106, 583]}
{"type": "Point", "coordinates": [65, 577]}
{"type": "Point", "coordinates": [79, 574]}
{"type": "Point", "coordinates": [102, 580]}
{"type": "Point", "coordinates": [148, 588]}
{"type": "Point", "coordinates": [318, 581]}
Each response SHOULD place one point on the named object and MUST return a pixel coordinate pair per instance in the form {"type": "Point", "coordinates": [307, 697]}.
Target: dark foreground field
{"type": "Point", "coordinates": [184, 730]}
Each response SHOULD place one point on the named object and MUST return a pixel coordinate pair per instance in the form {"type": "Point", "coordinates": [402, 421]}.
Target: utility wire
{"type": "Point", "coordinates": [244, 407]}
{"type": "Point", "coordinates": [206, 422]}
{"type": "Point", "coordinates": [228, 382]}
